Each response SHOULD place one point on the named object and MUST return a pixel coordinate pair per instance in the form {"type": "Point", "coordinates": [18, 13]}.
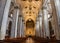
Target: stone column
{"type": "Point", "coordinates": [20, 26]}
{"type": "Point", "coordinates": [37, 27]}
{"type": "Point", "coordinates": [57, 5]}
{"type": "Point", "coordinates": [43, 27]}
{"type": "Point", "coordinates": [22, 31]}
{"type": "Point", "coordinates": [40, 24]}
{"type": "Point", "coordinates": [41, 34]}
{"type": "Point", "coordinates": [4, 20]}
{"type": "Point", "coordinates": [55, 19]}
{"type": "Point", "coordinates": [14, 22]}
{"type": "Point", "coordinates": [2, 7]}
{"type": "Point", "coordinates": [46, 23]}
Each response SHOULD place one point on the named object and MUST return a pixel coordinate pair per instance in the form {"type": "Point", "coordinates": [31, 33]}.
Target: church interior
{"type": "Point", "coordinates": [29, 21]}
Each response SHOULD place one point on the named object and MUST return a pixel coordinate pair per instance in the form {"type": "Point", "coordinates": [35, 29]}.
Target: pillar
{"type": "Point", "coordinates": [55, 19]}
{"type": "Point", "coordinates": [4, 20]}
{"type": "Point", "coordinates": [40, 24]}
{"type": "Point", "coordinates": [18, 26]}
{"type": "Point", "coordinates": [21, 27]}
{"type": "Point", "coordinates": [43, 27]}
{"type": "Point", "coordinates": [45, 17]}
{"type": "Point", "coordinates": [2, 6]}
{"type": "Point", "coordinates": [57, 5]}
{"type": "Point", "coordinates": [15, 22]}
{"type": "Point", "coordinates": [46, 23]}
{"type": "Point", "coordinates": [37, 27]}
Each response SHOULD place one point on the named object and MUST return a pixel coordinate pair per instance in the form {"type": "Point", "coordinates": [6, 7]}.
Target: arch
{"type": "Point", "coordinates": [8, 32]}
{"type": "Point", "coordinates": [30, 23]}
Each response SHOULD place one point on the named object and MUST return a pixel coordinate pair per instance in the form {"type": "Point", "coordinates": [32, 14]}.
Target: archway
{"type": "Point", "coordinates": [30, 25]}
{"type": "Point", "coordinates": [8, 31]}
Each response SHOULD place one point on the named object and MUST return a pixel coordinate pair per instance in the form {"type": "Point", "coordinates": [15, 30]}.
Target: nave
{"type": "Point", "coordinates": [30, 21]}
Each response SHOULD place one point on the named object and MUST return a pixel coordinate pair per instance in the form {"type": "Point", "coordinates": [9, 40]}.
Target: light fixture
{"type": "Point", "coordinates": [49, 15]}
{"type": "Point", "coordinates": [11, 15]}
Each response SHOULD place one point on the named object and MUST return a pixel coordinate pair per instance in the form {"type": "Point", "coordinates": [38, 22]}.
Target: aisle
{"type": "Point", "coordinates": [29, 40]}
